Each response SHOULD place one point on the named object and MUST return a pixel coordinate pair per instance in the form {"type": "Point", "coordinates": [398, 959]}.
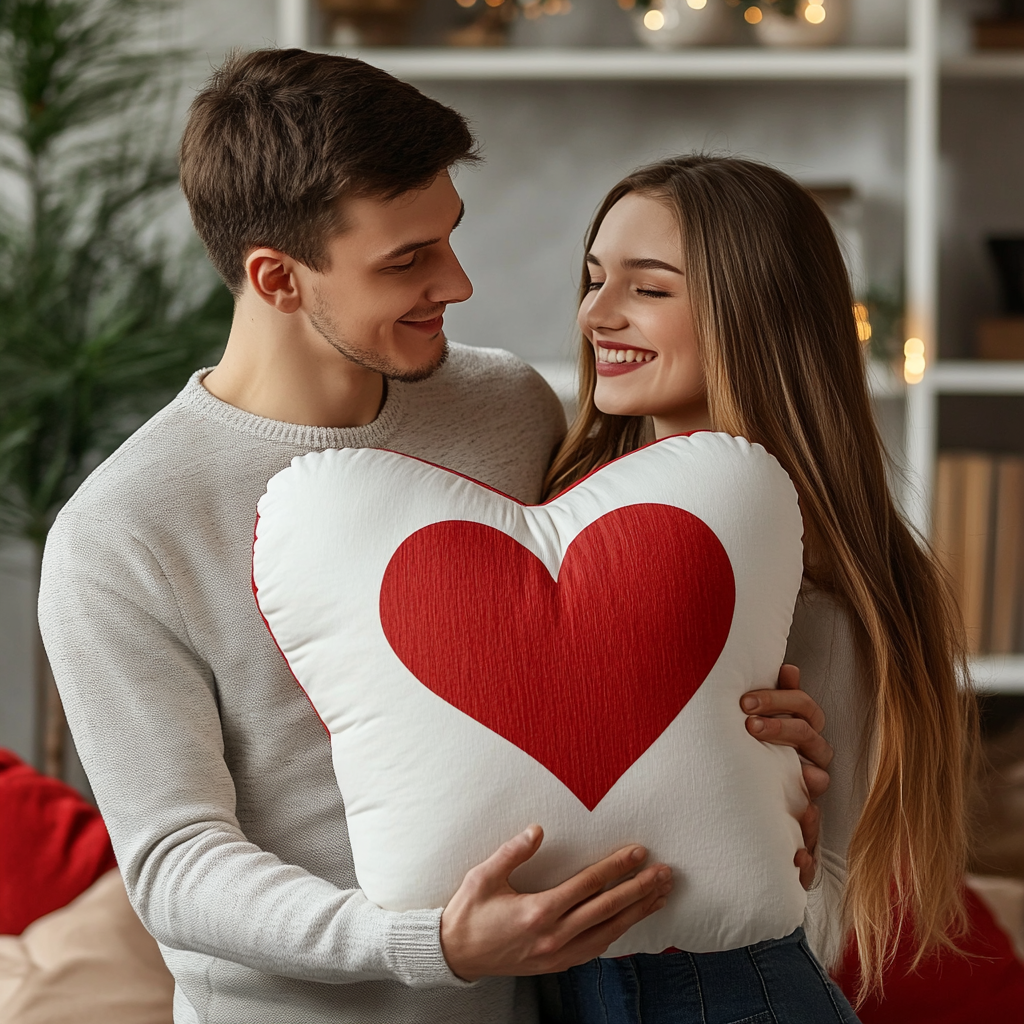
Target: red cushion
{"type": "Point", "coordinates": [987, 985]}
{"type": "Point", "coordinates": [53, 844]}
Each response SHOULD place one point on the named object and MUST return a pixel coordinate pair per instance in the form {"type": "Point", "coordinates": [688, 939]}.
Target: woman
{"type": "Point", "coordinates": [715, 296]}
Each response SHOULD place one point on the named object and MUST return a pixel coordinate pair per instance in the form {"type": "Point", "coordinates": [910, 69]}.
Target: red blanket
{"type": "Point", "coordinates": [53, 844]}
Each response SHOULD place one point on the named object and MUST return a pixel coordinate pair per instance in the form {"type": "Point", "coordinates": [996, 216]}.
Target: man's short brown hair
{"type": "Point", "coordinates": [278, 138]}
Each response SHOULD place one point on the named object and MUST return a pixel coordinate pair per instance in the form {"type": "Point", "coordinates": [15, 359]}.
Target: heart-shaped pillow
{"type": "Point", "coordinates": [481, 664]}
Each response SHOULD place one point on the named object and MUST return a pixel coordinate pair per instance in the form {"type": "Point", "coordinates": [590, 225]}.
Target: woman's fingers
{"type": "Point", "coordinates": [807, 866]}
{"type": "Point", "coordinates": [815, 779]}
{"type": "Point", "coordinates": [793, 732]}
{"type": "Point", "coordinates": [784, 702]}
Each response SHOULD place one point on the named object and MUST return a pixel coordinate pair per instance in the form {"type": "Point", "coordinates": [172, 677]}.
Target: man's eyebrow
{"type": "Point", "coordinates": [404, 250]}
{"type": "Point", "coordinates": [637, 263]}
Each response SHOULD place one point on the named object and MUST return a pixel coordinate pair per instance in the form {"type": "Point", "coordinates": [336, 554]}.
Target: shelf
{"type": "Point", "coordinates": [994, 674]}
{"type": "Point", "coordinates": [984, 65]}
{"type": "Point", "coordinates": [849, 64]}
{"type": "Point", "coordinates": [969, 377]}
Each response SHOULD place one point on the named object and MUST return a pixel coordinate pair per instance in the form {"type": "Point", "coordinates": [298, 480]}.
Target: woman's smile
{"type": "Point", "coordinates": [615, 358]}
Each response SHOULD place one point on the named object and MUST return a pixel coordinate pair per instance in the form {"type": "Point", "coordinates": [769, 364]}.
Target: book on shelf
{"type": "Point", "coordinates": [978, 535]}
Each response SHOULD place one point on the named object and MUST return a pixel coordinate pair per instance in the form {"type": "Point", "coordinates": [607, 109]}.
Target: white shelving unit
{"type": "Point", "coordinates": [514, 64]}
{"type": "Point", "coordinates": [917, 68]}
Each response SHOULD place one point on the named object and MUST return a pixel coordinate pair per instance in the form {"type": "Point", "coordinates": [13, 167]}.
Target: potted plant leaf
{"type": "Point", "coordinates": [103, 314]}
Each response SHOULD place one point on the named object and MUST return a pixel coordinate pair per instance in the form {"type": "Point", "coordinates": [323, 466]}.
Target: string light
{"type": "Point", "coordinates": [913, 360]}
{"type": "Point", "coordinates": [814, 12]}
{"type": "Point", "coordinates": [697, 5]}
{"type": "Point", "coordinates": [465, 3]}
{"type": "Point", "coordinates": [860, 316]}
{"type": "Point", "coordinates": [654, 20]}
{"type": "Point", "coordinates": [752, 15]}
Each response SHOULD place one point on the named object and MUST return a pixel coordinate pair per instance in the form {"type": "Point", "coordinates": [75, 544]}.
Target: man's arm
{"type": "Point", "coordinates": [143, 710]}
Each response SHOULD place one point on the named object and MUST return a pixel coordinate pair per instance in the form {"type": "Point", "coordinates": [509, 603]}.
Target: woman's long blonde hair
{"type": "Point", "coordinates": [773, 315]}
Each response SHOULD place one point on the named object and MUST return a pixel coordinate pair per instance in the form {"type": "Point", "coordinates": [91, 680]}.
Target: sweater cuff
{"type": "Point", "coordinates": [414, 946]}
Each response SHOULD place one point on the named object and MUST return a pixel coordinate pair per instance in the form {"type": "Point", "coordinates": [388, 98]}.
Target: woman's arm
{"type": "Point", "coordinates": [788, 717]}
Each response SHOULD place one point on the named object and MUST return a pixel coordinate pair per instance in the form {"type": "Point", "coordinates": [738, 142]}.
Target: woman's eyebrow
{"type": "Point", "coordinates": [637, 263]}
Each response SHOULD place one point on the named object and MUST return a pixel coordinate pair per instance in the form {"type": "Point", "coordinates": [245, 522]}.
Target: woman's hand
{"type": "Point", "coordinates": [788, 717]}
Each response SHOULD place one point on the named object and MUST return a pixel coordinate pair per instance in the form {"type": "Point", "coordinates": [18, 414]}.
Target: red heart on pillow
{"type": "Point", "coordinates": [585, 672]}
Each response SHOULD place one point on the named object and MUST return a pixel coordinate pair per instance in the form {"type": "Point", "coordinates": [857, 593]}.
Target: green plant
{"type": "Point", "coordinates": [102, 314]}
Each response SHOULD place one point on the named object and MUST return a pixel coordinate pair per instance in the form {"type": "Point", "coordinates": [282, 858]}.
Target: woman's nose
{"type": "Point", "coordinates": [602, 312]}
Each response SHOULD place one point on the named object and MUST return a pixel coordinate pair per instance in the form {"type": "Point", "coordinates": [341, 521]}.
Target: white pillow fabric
{"type": "Point", "coordinates": [480, 665]}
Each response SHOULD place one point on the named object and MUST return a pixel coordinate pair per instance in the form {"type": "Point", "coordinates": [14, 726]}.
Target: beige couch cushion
{"type": "Point", "coordinates": [90, 962]}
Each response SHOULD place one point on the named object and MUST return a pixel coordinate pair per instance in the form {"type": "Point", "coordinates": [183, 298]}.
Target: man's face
{"type": "Point", "coordinates": [392, 273]}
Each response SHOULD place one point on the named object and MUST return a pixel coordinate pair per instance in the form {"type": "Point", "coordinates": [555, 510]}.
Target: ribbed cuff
{"type": "Point", "coordinates": [414, 946]}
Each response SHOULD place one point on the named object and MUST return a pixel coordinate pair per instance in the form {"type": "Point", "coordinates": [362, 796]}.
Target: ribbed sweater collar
{"type": "Point", "coordinates": [373, 435]}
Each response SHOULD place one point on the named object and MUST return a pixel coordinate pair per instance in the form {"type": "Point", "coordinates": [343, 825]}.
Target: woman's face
{"type": "Point", "coordinates": [636, 314]}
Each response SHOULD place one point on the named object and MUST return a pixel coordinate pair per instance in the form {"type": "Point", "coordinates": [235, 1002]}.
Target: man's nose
{"type": "Point", "coordinates": [452, 284]}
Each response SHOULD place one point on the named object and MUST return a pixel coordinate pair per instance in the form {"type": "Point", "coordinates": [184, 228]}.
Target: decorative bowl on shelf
{"type": "Point", "coordinates": [669, 24]}
{"type": "Point", "coordinates": [810, 23]}
{"type": "Point", "coordinates": [368, 22]}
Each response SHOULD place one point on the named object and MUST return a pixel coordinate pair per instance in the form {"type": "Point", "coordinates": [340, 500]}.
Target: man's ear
{"type": "Point", "coordinates": [271, 275]}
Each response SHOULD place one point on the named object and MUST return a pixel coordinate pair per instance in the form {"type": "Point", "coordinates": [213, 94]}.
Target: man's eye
{"type": "Point", "coordinates": [402, 266]}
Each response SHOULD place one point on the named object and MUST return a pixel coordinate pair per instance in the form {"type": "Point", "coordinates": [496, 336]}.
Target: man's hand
{"type": "Point", "coordinates": [490, 929]}
{"type": "Point", "coordinates": [790, 718]}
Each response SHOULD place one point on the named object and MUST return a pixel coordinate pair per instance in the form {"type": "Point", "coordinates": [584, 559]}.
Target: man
{"type": "Point", "coordinates": [320, 187]}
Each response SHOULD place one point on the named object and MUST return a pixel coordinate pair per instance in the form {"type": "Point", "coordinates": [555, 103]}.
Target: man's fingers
{"type": "Point", "coordinates": [792, 732]}
{"type": "Point", "coordinates": [518, 850]}
{"type": "Point", "coordinates": [648, 885]}
{"type": "Point", "coordinates": [597, 877]}
{"type": "Point", "coordinates": [784, 702]}
{"type": "Point", "coordinates": [596, 939]}
{"type": "Point", "coordinates": [815, 779]}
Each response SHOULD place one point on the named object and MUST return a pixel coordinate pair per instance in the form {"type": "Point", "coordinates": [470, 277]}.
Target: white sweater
{"type": "Point", "coordinates": [212, 772]}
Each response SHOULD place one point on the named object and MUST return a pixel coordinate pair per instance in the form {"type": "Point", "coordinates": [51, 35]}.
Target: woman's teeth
{"type": "Point", "coordinates": [623, 355]}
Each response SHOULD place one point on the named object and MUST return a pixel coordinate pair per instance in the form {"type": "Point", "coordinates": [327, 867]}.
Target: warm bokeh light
{"type": "Point", "coordinates": [860, 315]}
{"type": "Point", "coordinates": [814, 13]}
{"type": "Point", "coordinates": [697, 5]}
{"type": "Point", "coordinates": [654, 20]}
{"type": "Point", "coordinates": [913, 360]}
{"type": "Point", "coordinates": [494, 3]}
{"type": "Point", "coordinates": [752, 15]}
{"type": "Point", "coordinates": [627, 5]}
{"type": "Point", "coordinates": [465, 3]}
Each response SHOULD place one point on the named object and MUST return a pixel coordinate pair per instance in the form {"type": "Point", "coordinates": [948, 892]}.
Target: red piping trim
{"type": "Point", "coordinates": [524, 504]}
{"type": "Point", "coordinates": [256, 597]}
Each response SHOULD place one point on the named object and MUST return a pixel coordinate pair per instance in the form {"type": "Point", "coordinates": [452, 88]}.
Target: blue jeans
{"type": "Point", "coordinates": [775, 982]}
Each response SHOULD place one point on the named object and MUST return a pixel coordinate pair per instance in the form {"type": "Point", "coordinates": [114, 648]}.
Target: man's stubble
{"type": "Point", "coordinates": [323, 323]}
